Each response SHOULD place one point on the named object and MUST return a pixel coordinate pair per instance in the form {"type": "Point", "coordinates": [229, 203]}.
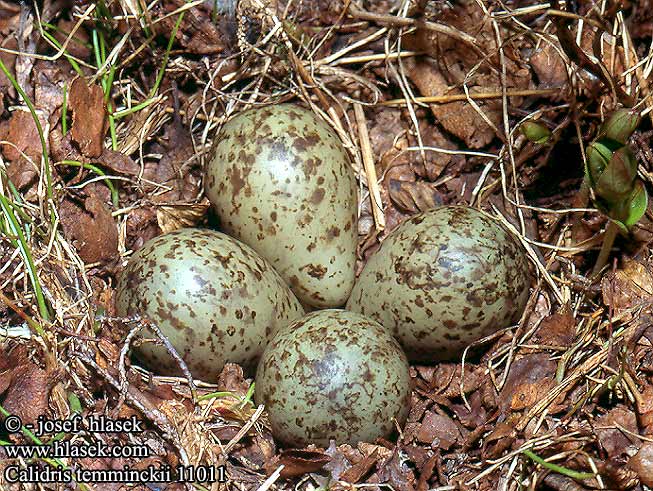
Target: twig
{"type": "Point", "coordinates": [154, 415]}
{"type": "Point", "coordinates": [370, 169]}
{"type": "Point", "coordinates": [443, 99]}
{"type": "Point", "coordinates": [578, 56]}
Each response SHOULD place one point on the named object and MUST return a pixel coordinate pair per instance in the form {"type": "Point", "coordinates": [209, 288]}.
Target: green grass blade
{"type": "Point", "coordinates": [99, 172]}
{"type": "Point", "coordinates": [39, 129]}
{"type": "Point", "coordinates": [21, 244]}
{"type": "Point", "coordinates": [557, 468]}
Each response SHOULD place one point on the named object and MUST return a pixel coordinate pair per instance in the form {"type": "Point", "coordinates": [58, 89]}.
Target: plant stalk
{"type": "Point", "coordinates": [608, 241]}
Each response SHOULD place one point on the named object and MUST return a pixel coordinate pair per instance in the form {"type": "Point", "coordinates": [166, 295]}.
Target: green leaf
{"type": "Point", "coordinates": [620, 125]}
{"type": "Point", "coordinates": [616, 182]}
{"type": "Point", "coordinates": [75, 403]}
{"type": "Point", "coordinates": [535, 132]}
{"type": "Point", "coordinates": [638, 205]}
{"type": "Point", "coordinates": [598, 157]}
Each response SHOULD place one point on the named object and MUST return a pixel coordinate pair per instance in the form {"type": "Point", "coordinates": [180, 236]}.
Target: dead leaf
{"type": "Point", "coordinates": [89, 117]}
{"type": "Point", "coordinates": [22, 148]}
{"type": "Point", "coordinates": [78, 46]}
{"type": "Point", "coordinates": [438, 431]}
{"type": "Point", "coordinates": [339, 462]}
{"type": "Point", "coordinates": [179, 215]}
{"type": "Point", "coordinates": [529, 380]}
{"type": "Point", "coordinates": [642, 464]}
{"type": "Point", "coordinates": [27, 396]}
{"type": "Point", "coordinates": [297, 462]}
{"type": "Point", "coordinates": [628, 287]}
{"type": "Point", "coordinates": [356, 472]}
{"type": "Point", "coordinates": [458, 118]}
{"type": "Point", "coordinates": [91, 229]}
{"type": "Point", "coordinates": [232, 379]}
{"type": "Point", "coordinates": [549, 66]}
{"type": "Point", "coordinates": [396, 473]}
{"type": "Point", "coordinates": [413, 197]}
{"type": "Point", "coordinates": [501, 438]}
{"type": "Point", "coordinates": [612, 439]}
{"type": "Point", "coordinates": [558, 329]}
{"type": "Point", "coordinates": [645, 410]}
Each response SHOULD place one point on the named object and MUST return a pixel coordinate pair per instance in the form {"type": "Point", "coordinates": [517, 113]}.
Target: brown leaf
{"type": "Point", "coordinates": [356, 472]}
{"type": "Point", "coordinates": [413, 197]}
{"type": "Point", "coordinates": [297, 462]}
{"type": "Point", "coordinates": [558, 329]}
{"type": "Point", "coordinates": [91, 229]}
{"type": "Point", "coordinates": [78, 45]}
{"type": "Point", "coordinates": [23, 149]}
{"type": "Point", "coordinates": [500, 439]}
{"type": "Point", "coordinates": [232, 379]}
{"type": "Point", "coordinates": [458, 118]}
{"type": "Point", "coordinates": [529, 380]}
{"type": "Point", "coordinates": [396, 473]}
{"type": "Point", "coordinates": [439, 431]}
{"type": "Point", "coordinates": [89, 117]}
{"type": "Point", "coordinates": [549, 67]}
{"type": "Point", "coordinates": [339, 462]}
{"type": "Point", "coordinates": [426, 471]}
{"type": "Point", "coordinates": [631, 286]}
{"type": "Point", "coordinates": [27, 396]}
{"type": "Point", "coordinates": [612, 439]}
{"type": "Point", "coordinates": [180, 215]}
{"type": "Point", "coordinates": [642, 464]}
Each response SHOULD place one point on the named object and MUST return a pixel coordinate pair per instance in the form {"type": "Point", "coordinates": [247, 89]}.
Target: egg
{"type": "Point", "coordinates": [442, 280]}
{"type": "Point", "coordinates": [280, 180]}
{"type": "Point", "coordinates": [214, 298]}
{"type": "Point", "coordinates": [333, 374]}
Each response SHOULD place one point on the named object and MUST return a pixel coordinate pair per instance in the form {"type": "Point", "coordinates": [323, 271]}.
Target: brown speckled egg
{"type": "Point", "coordinates": [280, 180]}
{"type": "Point", "coordinates": [442, 280]}
{"type": "Point", "coordinates": [333, 374]}
{"type": "Point", "coordinates": [213, 297]}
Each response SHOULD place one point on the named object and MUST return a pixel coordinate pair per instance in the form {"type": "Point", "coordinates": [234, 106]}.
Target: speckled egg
{"type": "Point", "coordinates": [213, 297]}
{"type": "Point", "coordinates": [280, 180]}
{"type": "Point", "coordinates": [336, 375]}
{"type": "Point", "coordinates": [442, 280]}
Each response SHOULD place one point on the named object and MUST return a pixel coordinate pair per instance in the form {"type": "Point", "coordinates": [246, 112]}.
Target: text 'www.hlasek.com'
{"type": "Point", "coordinates": [50, 468]}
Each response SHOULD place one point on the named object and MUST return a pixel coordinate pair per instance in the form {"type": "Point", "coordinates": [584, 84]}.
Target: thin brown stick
{"type": "Point", "coordinates": [370, 169]}
{"type": "Point", "coordinates": [443, 99]}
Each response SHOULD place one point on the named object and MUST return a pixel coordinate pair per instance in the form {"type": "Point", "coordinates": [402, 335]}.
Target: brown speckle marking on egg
{"type": "Point", "coordinates": [442, 280]}
{"type": "Point", "coordinates": [333, 374]}
{"type": "Point", "coordinates": [215, 299]}
{"type": "Point", "coordinates": [278, 178]}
